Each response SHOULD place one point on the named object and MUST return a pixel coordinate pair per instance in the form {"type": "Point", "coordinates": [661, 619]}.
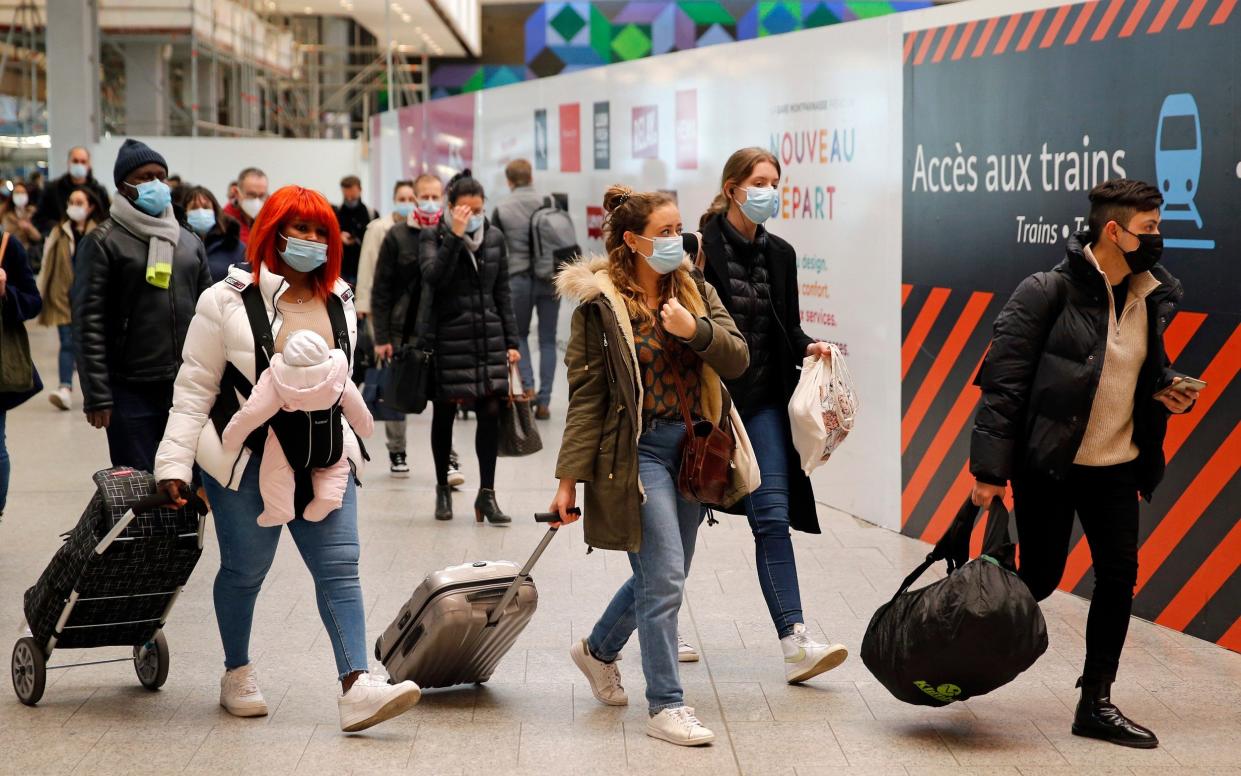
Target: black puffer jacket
{"type": "Point", "coordinates": [126, 328]}
{"type": "Point", "coordinates": [472, 320]}
{"type": "Point", "coordinates": [786, 343]}
{"type": "Point", "coordinates": [1041, 373]}
{"type": "Point", "coordinates": [397, 279]}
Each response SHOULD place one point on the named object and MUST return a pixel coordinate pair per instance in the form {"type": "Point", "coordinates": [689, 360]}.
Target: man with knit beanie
{"type": "Point", "coordinates": [137, 279]}
{"type": "Point", "coordinates": [1074, 411]}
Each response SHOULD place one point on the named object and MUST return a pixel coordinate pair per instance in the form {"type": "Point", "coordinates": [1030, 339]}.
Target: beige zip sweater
{"type": "Point", "coordinates": [1109, 430]}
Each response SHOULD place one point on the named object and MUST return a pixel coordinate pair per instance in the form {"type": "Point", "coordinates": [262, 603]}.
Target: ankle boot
{"type": "Point", "coordinates": [485, 506]}
{"type": "Point", "coordinates": [443, 502]}
{"type": "Point", "coordinates": [1097, 717]}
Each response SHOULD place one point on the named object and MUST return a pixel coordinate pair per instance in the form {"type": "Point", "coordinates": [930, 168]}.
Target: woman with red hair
{"type": "Point", "coordinates": [292, 283]}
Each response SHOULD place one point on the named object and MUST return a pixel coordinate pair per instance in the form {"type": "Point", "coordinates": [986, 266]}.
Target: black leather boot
{"type": "Point", "coordinates": [443, 502]}
{"type": "Point", "coordinates": [486, 506]}
{"type": "Point", "coordinates": [1098, 718]}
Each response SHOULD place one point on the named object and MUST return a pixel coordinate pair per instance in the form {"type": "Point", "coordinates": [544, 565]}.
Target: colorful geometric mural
{"type": "Point", "coordinates": [563, 37]}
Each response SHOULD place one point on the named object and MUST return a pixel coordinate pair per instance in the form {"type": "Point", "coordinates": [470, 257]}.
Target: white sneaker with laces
{"type": "Point", "coordinates": [686, 652]}
{"type": "Point", "coordinates": [679, 726]}
{"type": "Point", "coordinates": [455, 478]}
{"type": "Point", "coordinates": [62, 399]}
{"type": "Point", "coordinates": [604, 678]}
{"type": "Point", "coordinates": [372, 700]}
{"type": "Point", "coordinates": [805, 658]}
{"type": "Point", "coordinates": [239, 693]}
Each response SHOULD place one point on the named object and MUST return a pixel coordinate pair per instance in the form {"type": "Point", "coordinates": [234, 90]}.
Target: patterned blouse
{"type": "Point", "coordinates": [659, 388]}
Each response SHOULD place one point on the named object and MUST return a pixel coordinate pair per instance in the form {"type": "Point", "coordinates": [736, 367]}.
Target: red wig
{"type": "Point", "coordinates": [294, 203]}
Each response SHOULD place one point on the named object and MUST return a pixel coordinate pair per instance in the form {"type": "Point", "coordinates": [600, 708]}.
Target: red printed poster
{"type": "Point", "coordinates": [687, 130]}
{"type": "Point", "coordinates": [646, 132]}
{"type": "Point", "coordinates": [594, 222]}
{"type": "Point", "coordinates": [571, 137]}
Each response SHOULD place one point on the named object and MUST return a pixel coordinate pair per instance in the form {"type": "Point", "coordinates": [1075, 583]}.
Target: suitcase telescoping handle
{"type": "Point", "coordinates": [542, 517]}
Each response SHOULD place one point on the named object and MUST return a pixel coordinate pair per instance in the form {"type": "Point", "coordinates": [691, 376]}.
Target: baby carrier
{"type": "Point", "coordinates": [310, 440]}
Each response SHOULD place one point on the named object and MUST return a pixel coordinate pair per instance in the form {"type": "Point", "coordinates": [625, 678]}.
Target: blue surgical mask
{"type": "Point", "coordinates": [79, 170]}
{"type": "Point", "coordinates": [200, 219]}
{"type": "Point", "coordinates": [760, 204]}
{"type": "Point", "coordinates": [303, 255]}
{"type": "Point", "coordinates": [154, 197]}
{"type": "Point", "coordinates": [430, 206]}
{"type": "Point", "coordinates": [403, 209]}
{"type": "Point", "coordinates": [475, 223]}
{"type": "Point", "coordinates": [667, 253]}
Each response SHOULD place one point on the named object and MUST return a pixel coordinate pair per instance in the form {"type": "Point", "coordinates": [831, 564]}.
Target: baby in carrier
{"type": "Point", "coordinates": [308, 382]}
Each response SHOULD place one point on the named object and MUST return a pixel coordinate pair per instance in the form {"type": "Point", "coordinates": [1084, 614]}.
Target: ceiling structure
{"type": "Point", "coordinates": [439, 28]}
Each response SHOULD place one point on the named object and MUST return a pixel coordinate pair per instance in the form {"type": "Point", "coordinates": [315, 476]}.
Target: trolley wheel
{"type": "Point", "coordinates": [151, 662]}
{"type": "Point", "coordinates": [29, 670]}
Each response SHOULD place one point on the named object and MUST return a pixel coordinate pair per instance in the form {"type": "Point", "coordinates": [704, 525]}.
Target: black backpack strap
{"type": "Point", "coordinates": [260, 328]}
{"type": "Point", "coordinates": [340, 327]}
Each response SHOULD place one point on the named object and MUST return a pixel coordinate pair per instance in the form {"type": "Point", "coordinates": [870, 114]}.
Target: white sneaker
{"type": "Point", "coordinates": [805, 658]}
{"type": "Point", "coordinates": [455, 478]}
{"type": "Point", "coordinates": [239, 693]}
{"type": "Point", "coordinates": [372, 700]}
{"type": "Point", "coordinates": [62, 399]}
{"type": "Point", "coordinates": [679, 726]}
{"type": "Point", "coordinates": [604, 678]}
{"type": "Point", "coordinates": [686, 653]}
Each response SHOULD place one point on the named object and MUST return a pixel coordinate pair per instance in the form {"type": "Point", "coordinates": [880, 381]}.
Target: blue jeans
{"type": "Point", "coordinates": [139, 415]}
{"type": "Point", "coordinates": [65, 360]}
{"type": "Point", "coordinates": [329, 548]}
{"type": "Point", "coordinates": [768, 511]}
{"type": "Point", "coordinates": [650, 600]}
{"type": "Point", "coordinates": [4, 462]}
{"type": "Point", "coordinates": [530, 293]}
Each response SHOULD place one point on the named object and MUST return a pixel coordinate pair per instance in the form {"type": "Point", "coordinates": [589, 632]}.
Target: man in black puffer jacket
{"type": "Point", "coordinates": [1070, 416]}
{"type": "Point", "coordinates": [137, 280]}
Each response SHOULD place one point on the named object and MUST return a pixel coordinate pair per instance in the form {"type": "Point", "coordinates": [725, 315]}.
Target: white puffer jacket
{"type": "Point", "coordinates": [219, 334]}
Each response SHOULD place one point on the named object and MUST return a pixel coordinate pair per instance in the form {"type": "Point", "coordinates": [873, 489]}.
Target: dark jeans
{"type": "Point", "coordinates": [65, 360]}
{"type": "Point", "coordinates": [4, 462]}
{"type": "Point", "coordinates": [768, 511]}
{"type": "Point", "coordinates": [139, 414]}
{"type": "Point", "coordinates": [486, 439]}
{"type": "Point", "coordinates": [1105, 499]}
{"type": "Point", "coordinates": [531, 294]}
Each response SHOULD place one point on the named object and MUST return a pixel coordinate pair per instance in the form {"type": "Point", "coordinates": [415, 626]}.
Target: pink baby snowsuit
{"type": "Point", "coordinates": [306, 376]}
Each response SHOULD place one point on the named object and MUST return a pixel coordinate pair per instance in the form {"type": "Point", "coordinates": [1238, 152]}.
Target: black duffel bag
{"type": "Point", "coordinates": [406, 385]}
{"type": "Point", "coordinates": [962, 636]}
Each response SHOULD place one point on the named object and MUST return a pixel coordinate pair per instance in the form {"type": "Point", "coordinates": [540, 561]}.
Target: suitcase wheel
{"type": "Point", "coordinates": [151, 662]}
{"type": "Point", "coordinates": [29, 669]}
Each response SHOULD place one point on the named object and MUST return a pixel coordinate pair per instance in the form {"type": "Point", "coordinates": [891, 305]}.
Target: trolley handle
{"type": "Point", "coordinates": [160, 499]}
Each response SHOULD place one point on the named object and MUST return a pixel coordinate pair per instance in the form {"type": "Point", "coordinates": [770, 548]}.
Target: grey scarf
{"type": "Point", "coordinates": [161, 233]}
{"type": "Point", "coordinates": [473, 242]}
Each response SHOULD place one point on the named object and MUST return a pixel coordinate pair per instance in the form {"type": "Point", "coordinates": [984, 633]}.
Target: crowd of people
{"type": "Point", "coordinates": [191, 324]}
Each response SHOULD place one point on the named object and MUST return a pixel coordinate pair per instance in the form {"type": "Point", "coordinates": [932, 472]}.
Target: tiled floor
{"type": "Point", "coordinates": [536, 716]}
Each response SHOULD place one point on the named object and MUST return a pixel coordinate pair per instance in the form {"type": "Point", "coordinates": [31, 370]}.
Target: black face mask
{"type": "Point", "coordinates": [1146, 255]}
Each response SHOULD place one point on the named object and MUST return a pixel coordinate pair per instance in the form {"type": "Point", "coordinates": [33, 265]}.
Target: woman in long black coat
{"type": "Point", "coordinates": [19, 302]}
{"type": "Point", "coordinates": [464, 262]}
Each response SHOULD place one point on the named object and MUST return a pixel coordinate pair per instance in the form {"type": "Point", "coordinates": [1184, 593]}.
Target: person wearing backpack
{"type": "Point", "coordinates": [465, 263]}
{"type": "Point", "coordinates": [756, 275]}
{"type": "Point", "coordinates": [1073, 414]}
{"type": "Point", "coordinates": [292, 283]}
{"type": "Point", "coordinates": [540, 239]}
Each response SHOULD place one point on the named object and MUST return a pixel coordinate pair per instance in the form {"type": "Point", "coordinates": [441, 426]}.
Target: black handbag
{"type": "Point", "coordinates": [964, 635]}
{"type": "Point", "coordinates": [406, 384]}
{"type": "Point", "coordinates": [519, 436]}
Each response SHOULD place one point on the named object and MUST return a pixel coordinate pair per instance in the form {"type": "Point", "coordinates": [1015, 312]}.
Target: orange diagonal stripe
{"type": "Point", "coordinates": [1223, 12]}
{"type": "Point", "coordinates": [1218, 375]}
{"type": "Point", "coordinates": [957, 417]}
{"type": "Point", "coordinates": [964, 40]}
{"type": "Point", "coordinates": [1189, 507]}
{"type": "Point", "coordinates": [1057, 22]}
{"type": "Point", "coordinates": [1135, 17]}
{"type": "Point", "coordinates": [944, 362]}
{"type": "Point", "coordinates": [906, 290]}
{"type": "Point", "coordinates": [1161, 18]}
{"type": "Point", "coordinates": [1079, 26]}
{"type": "Point", "coordinates": [1031, 28]}
{"type": "Point", "coordinates": [1007, 35]}
{"type": "Point", "coordinates": [909, 44]}
{"type": "Point", "coordinates": [948, 506]}
{"type": "Point", "coordinates": [928, 36]}
{"type": "Point", "coordinates": [922, 326]}
{"type": "Point", "coordinates": [1205, 582]}
{"type": "Point", "coordinates": [1105, 23]}
{"type": "Point", "coordinates": [1191, 16]}
{"type": "Point", "coordinates": [944, 39]}
{"type": "Point", "coordinates": [1232, 639]}
{"type": "Point", "coordinates": [981, 48]}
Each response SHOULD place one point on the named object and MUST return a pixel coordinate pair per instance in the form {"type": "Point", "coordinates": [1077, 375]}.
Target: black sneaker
{"type": "Point", "coordinates": [397, 466]}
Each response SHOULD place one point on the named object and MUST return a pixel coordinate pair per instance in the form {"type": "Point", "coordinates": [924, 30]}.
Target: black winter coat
{"type": "Point", "coordinates": [55, 199]}
{"type": "Point", "coordinates": [398, 280]}
{"type": "Point", "coordinates": [124, 327]}
{"type": "Point", "coordinates": [1040, 375]}
{"type": "Point", "coordinates": [788, 340]}
{"type": "Point", "coordinates": [224, 249]}
{"type": "Point", "coordinates": [353, 220]}
{"type": "Point", "coordinates": [472, 319]}
{"type": "Point", "coordinates": [21, 302]}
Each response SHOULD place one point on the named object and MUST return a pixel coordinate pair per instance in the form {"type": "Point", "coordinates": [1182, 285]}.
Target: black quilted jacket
{"type": "Point", "coordinates": [472, 319]}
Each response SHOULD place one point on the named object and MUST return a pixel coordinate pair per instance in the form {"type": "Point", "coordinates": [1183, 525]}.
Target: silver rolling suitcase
{"type": "Point", "coordinates": [461, 621]}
